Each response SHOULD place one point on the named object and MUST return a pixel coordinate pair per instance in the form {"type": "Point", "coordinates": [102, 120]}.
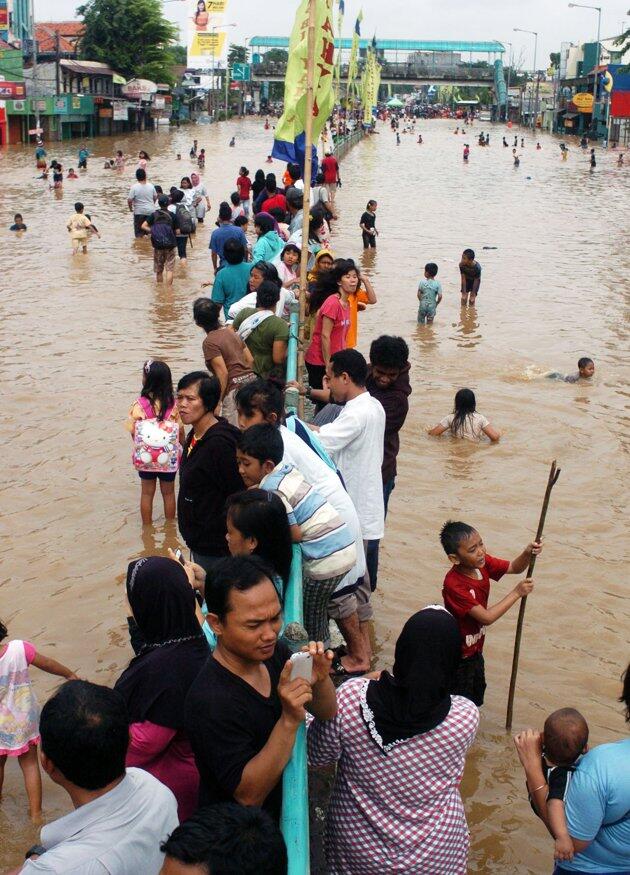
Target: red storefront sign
{"type": "Point", "coordinates": [620, 104]}
{"type": "Point", "coordinates": [12, 90]}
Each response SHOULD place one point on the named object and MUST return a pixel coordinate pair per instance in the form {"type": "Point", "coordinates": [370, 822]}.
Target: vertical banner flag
{"type": "Point", "coordinates": [371, 82]}
{"type": "Point", "coordinates": [289, 142]}
{"type": "Point", "coordinates": [207, 43]}
{"type": "Point", "coordinates": [340, 15]}
{"type": "Point", "coordinates": [354, 54]}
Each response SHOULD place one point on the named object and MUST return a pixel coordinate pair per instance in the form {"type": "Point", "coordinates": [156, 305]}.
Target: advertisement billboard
{"type": "Point", "coordinates": [207, 43]}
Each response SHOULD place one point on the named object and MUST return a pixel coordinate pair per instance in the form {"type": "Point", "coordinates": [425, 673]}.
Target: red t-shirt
{"type": "Point", "coordinates": [329, 169]}
{"type": "Point", "coordinates": [340, 315]}
{"type": "Point", "coordinates": [461, 594]}
{"type": "Point", "coordinates": [244, 184]}
{"type": "Point", "coordinates": [278, 200]}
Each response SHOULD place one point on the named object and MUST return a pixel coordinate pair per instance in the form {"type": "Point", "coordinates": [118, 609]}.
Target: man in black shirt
{"type": "Point", "coordinates": [243, 710]}
{"type": "Point", "coordinates": [208, 472]}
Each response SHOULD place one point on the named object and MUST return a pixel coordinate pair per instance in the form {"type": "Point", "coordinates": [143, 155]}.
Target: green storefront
{"type": "Point", "coordinates": [61, 117]}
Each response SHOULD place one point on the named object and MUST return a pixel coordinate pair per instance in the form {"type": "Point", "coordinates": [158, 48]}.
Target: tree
{"type": "Point", "coordinates": [132, 36]}
{"type": "Point", "coordinates": [237, 55]}
{"type": "Point", "coordinates": [276, 56]}
{"type": "Point", "coordinates": [624, 42]}
{"type": "Point", "coordinates": [180, 55]}
{"type": "Point", "coordinates": [554, 57]}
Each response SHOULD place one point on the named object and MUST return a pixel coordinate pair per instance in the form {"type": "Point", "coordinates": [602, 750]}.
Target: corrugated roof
{"type": "Point", "coordinates": [389, 45]}
{"type": "Point", "coordinates": [96, 68]}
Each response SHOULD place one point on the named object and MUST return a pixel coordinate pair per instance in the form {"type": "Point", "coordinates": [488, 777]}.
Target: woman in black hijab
{"type": "Point", "coordinates": [400, 742]}
{"type": "Point", "coordinates": [157, 680]}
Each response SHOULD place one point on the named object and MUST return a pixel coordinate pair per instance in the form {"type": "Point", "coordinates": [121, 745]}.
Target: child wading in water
{"type": "Point", "coordinates": [429, 294]}
{"type": "Point", "coordinates": [470, 271]}
{"type": "Point", "coordinates": [79, 225]}
{"type": "Point", "coordinates": [19, 714]}
{"type": "Point", "coordinates": [586, 369]}
{"type": "Point", "coordinates": [368, 226]}
{"type": "Point", "coordinates": [158, 436]}
{"type": "Point", "coordinates": [466, 591]}
{"type": "Point", "coordinates": [464, 421]}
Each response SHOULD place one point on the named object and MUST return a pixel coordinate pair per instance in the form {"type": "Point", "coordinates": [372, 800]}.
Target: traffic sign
{"type": "Point", "coordinates": [241, 72]}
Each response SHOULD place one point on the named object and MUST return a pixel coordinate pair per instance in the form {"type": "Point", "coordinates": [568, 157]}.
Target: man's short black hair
{"type": "Point", "coordinates": [389, 352]}
{"type": "Point", "coordinates": [452, 534]}
{"type": "Point", "coordinates": [229, 839]}
{"type": "Point", "coordinates": [236, 572]}
{"type": "Point", "coordinates": [469, 253]}
{"type": "Point", "coordinates": [141, 175]}
{"type": "Point", "coordinates": [352, 363]}
{"type": "Point", "coordinates": [294, 197]}
{"type": "Point", "coordinates": [431, 268]}
{"type": "Point", "coordinates": [583, 362]}
{"type": "Point", "coordinates": [209, 387]}
{"type": "Point", "coordinates": [262, 442]}
{"type": "Point", "coordinates": [225, 211]}
{"type": "Point", "coordinates": [85, 732]}
{"type": "Point", "coordinates": [267, 294]}
{"type": "Point", "coordinates": [233, 251]}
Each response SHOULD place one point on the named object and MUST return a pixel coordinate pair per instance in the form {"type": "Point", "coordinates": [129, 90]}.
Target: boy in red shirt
{"type": "Point", "coordinates": [466, 591]}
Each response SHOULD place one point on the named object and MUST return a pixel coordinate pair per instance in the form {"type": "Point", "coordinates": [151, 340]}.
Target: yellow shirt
{"type": "Point", "coordinates": [354, 300]}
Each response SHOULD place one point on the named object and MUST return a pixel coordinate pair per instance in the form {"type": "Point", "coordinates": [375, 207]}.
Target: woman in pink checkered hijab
{"type": "Point", "coordinates": [400, 742]}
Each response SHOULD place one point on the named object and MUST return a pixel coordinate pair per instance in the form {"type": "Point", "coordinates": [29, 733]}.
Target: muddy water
{"type": "Point", "coordinates": [74, 334]}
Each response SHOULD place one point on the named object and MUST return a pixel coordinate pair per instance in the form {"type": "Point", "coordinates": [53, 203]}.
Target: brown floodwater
{"type": "Point", "coordinates": [74, 333]}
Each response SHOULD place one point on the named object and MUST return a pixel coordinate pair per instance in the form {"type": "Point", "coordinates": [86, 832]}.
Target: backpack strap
{"type": "Point", "coordinates": [147, 407]}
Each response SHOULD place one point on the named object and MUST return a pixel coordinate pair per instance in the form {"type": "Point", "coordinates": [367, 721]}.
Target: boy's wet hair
{"type": "Point", "coordinates": [470, 253]}
{"type": "Point", "coordinates": [566, 736]}
{"type": "Point", "coordinates": [431, 268]}
{"type": "Point", "coordinates": [583, 362]}
{"type": "Point", "coordinates": [452, 534]}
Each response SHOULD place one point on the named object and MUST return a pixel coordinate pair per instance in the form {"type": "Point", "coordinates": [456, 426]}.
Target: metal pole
{"type": "Point", "coordinates": [34, 57]}
{"type": "Point", "coordinates": [214, 36]}
{"type": "Point", "coordinates": [507, 103]}
{"type": "Point", "coordinates": [227, 88]}
{"type": "Point", "coordinates": [308, 164]}
{"type": "Point", "coordinates": [535, 115]}
{"type": "Point", "coordinates": [595, 73]}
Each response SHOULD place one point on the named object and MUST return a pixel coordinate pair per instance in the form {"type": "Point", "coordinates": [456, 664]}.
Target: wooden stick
{"type": "Point", "coordinates": [554, 473]}
{"type": "Point", "coordinates": [306, 203]}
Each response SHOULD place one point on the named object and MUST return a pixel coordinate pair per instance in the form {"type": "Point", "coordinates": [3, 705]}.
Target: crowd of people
{"type": "Point", "coordinates": [179, 767]}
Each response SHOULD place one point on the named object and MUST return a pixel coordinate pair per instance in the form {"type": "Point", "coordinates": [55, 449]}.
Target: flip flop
{"type": "Point", "coordinates": [338, 670]}
{"type": "Point", "coordinates": [340, 650]}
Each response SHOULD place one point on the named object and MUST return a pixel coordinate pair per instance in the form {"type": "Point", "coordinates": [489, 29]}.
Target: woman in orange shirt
{"type": "Point", "coordinates": [359, 301]}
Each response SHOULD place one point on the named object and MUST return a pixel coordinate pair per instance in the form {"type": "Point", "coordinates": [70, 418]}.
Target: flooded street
{"type": "Point", "coordinates": [75, 332]}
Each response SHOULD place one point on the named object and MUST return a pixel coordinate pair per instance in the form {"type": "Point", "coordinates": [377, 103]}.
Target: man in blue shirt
{"type": "Point", "coordinates": [226, 231]}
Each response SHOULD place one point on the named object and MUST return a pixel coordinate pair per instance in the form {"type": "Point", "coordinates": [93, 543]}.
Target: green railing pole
{"type": "Point", "coordinates": [294, 820]}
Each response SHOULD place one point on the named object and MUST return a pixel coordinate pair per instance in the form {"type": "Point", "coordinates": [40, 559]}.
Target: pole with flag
{"type": "Point", "coordinates": [354, 56]}
{"type": "Point", "coordinates": [308, 102]}
{"type": "Point", "coordinates": [340, 14]}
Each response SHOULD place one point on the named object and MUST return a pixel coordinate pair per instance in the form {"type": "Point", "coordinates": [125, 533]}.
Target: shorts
{"type": "Point", "coordinates": [470, 679]}
{"type": "Point", "coordinates": [369, 241]}
{"type": "Point", "coordinates": [426, 311]}
{"type": "Point", "coordinates": [137, 224]}
{"type": "Point", "coordinates": [163, 259]}
{"type": "Point", "coordinates": [228, 406]}
{"type": "Point", "coordinates": [356, 600]}
{"type": "Point", "coordinates": [82, 165]}
{"type": "Point", "coordinates": [162, 476]}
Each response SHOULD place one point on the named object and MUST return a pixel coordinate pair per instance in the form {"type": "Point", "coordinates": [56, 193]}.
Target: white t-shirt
{"type": "Point", "coordinates": [249, 300]}
{"type": "Point", "coordinates": [474, 425]}
{"type": "Point", "coordinates": [325, 481]}
{"type": "Point", "coordinates": [143, 195]}
{"type": "Point", "coordinates": [355, 442]}
{"type": "Point", "coordinates": [117, 834]}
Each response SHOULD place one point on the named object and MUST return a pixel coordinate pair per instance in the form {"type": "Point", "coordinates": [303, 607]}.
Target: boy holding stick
{"type": "Point", "coordinates": [466, 591]}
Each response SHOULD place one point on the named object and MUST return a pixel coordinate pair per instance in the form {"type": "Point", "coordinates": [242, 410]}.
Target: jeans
{"type": "Point", "coordinates": [371, 554]}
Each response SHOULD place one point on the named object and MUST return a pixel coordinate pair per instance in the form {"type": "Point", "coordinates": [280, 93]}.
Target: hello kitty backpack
{"type": "Point", "coordinates": [156, 446]}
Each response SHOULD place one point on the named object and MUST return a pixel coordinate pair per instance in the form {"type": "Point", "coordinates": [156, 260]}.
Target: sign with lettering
{"type": "Point", "coordinates": [10, 90]}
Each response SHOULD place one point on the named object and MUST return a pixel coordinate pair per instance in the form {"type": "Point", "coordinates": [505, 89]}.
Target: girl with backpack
{"type": "Point", "coordinates": [158, 435]}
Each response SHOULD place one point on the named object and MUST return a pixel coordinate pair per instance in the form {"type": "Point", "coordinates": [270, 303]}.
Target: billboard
{"type": "Point", "coordinates": [207, 43]}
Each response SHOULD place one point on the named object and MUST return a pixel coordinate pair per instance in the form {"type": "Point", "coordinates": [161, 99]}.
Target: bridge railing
{"type": "Point", "coordinates": [294, 819]}
{"type": "Point", "coordinates": [404, 70]}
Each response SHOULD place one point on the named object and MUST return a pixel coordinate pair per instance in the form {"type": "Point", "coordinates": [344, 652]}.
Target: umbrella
{"type": "Point", "coordinates": [395, 103]}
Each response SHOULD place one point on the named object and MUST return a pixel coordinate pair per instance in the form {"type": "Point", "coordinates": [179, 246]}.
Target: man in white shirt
{"type": "Point", "coordinates": [355, 442]}
{"type": "Point", "coordinates": [141, 201]}
{"type": "Point", "coordinates": [121, 816]}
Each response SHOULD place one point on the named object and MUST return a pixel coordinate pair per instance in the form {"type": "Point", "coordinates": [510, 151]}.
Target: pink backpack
{"type": "Point", "coordinates": [156, 445]}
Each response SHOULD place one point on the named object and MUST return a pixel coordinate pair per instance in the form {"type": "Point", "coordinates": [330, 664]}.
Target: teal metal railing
{"type": "Point", "coordinates": [294, 818]}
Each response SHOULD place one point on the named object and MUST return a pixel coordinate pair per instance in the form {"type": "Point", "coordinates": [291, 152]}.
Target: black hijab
{"type": "Point", "coordinates": [416, 698]}
{"type": "Point", "coordinates": [157, 680]}
{"type": "Point", "coordinates": [259, 182]}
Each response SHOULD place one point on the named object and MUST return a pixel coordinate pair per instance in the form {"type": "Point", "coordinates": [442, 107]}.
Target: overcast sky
{"type": "Point", "coordinates": [415, 19]}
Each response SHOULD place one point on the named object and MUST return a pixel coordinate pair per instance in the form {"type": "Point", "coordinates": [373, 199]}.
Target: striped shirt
{"type": "Point", "coordinates": [328, 548]}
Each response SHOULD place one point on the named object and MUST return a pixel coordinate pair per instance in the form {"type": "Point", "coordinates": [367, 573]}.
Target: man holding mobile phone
{"type": "Point", "coordinates": [243, 710]}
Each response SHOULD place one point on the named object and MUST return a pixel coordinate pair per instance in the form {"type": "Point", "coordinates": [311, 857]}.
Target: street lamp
{"type": "Point", "coordinates": [509, 76]}
{"type": "Point", "coordinates": [534, 33]}
{"type": "Point", "coordinates": [214, 28]}
{"type": "Point", "coordinates": [598, 9]}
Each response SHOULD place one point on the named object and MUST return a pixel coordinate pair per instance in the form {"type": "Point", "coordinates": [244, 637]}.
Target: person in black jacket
{"type": "Point", "coordinates": [208, 473]}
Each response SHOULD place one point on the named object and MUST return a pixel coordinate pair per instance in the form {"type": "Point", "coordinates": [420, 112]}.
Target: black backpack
{"type": "Point", "coordinates": [184, 219]}
{"type": "Point", "coordinates": [162, 234]}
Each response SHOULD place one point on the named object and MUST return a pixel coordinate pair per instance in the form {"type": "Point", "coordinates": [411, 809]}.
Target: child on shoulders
{"type": "Point", "coordinates": [429, 294]}
{"type": "Point", "coordinates": [464, 421]}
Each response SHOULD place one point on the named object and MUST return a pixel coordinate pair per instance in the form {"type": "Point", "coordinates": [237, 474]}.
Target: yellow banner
{"type": "Point", "coordinates": [293, 120]}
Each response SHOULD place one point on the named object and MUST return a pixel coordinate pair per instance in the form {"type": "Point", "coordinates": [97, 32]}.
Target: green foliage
{"type": "Point", "coordinates": [132, 36]}
{"type": "Point", "coordinates": [624, 42]}
{"type": "Point", "coordinates": [554, 57]}
{"type": "Point", "coordinates": [180, 54]}
{"type": "Point", "coordinates": [237, 54]}
{"type": "Point", "coordinates": [276, 56]}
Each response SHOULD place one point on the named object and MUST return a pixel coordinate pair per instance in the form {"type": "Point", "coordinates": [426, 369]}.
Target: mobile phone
{"type": "Point", "coordinates": [301, 666]}
{"type": "Point", "coordinates": [180, 556]}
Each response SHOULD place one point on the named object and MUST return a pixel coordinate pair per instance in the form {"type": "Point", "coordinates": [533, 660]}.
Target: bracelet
{"type": "Point", "coordinates": [542, 786]}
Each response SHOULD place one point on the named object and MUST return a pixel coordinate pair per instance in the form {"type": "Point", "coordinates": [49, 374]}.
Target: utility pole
{"type": "Point", "coordinates": [34, 60]}
{"type": "Point", "coordinates": [57, 59]}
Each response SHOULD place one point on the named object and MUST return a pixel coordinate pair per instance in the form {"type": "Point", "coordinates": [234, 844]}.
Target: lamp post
{"type": "Point", "coordinates": [598, 9]}
{"type": "Point", "coordinates": [534, 33]}
{"type": "Point", "coordinates": [214, 28]}
{"type": "Point", "coordinates": [509, 76]}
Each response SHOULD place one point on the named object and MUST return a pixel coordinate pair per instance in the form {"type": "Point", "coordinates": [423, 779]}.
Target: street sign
{"type": "Point", "coordinates": [241, 72]}
{"type": "Point", "coordinates": [10, 90]}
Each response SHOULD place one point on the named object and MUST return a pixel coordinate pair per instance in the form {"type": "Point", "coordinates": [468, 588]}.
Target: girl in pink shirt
{"type": "Point", "coordinates": [19, 713]}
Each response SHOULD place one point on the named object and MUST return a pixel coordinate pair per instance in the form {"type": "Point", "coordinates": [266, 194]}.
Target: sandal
{"type": "Point", "coordinates": [338, 670]}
